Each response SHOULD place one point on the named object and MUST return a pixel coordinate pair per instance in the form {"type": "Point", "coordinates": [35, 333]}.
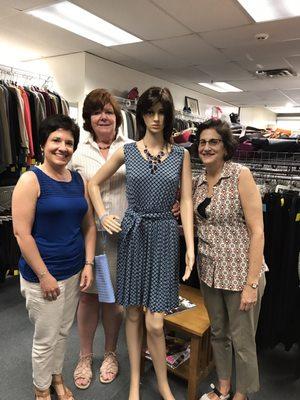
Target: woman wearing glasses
{"type": "Point", "coordinates": [229, 218]}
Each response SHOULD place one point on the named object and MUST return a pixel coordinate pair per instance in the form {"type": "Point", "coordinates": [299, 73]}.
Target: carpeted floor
{"type": "Point", "coordinates": [280, 370]}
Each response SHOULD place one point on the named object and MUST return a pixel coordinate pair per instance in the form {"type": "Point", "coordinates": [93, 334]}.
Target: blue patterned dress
{"type": "Point", "coordinates": [148, 254]}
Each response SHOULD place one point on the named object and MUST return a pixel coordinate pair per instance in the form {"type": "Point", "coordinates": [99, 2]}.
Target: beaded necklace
{"type": "Point", "coordinates": [153, 161]}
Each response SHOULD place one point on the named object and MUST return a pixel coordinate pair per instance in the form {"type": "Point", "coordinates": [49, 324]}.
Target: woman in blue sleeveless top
{"type": "Point", "coordinates": [148, 262]}
{"type": "Point", "coordinates": [54, 226]}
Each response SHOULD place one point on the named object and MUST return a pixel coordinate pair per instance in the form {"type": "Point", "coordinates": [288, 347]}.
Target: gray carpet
{"type": "Point", "coordinates": [280, 370]}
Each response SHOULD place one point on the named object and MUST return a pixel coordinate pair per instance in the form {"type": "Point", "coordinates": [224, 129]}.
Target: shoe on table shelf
{"type": "Point", "coordinates": [109, 365]}
{"type": "Point", "coordinates": [216, 392]}
{"type": "Point", "coordinates": [83, 371]}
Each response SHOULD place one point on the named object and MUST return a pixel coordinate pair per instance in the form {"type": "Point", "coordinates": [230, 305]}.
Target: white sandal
{"type": "Point", "coordinates": [217, 392]}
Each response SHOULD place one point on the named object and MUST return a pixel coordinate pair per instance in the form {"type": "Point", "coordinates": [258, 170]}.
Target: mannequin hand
{"type": "Point", "coordinates": [111, 223]}
{"type": "Point", "coordinates": [49, 287]}
{"type": "Point", "coordinates": [86, 278]}
{"type": "Point", "coordinates": [189, 262]}
{"type": "Point", "coordinates": [248, 298]}
{"type": "Point", "coordinates": [176, 209]}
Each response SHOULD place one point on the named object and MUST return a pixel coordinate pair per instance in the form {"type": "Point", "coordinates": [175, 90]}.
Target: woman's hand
{"type": "Point", "coordinates": [176, 209]}
{"type": "Point", "coordinates": [189, 263]}
{"type": "Point", "coordinates": [49, 287]}
{"type": "Point", "coordinates": [111, 223]}
{"type": "Point", "coordinates": [86, 278]}
{"type": "Point", "coordinates": [248, 298]}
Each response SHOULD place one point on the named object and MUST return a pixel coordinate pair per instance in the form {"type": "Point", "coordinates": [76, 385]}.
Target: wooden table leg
{"type": "Point", "coordinates": [193, 367]}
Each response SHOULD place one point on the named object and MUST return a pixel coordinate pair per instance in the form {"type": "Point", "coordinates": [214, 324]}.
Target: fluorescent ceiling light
{"type": "Point", "coordinates": [221, 87]}
{"type": "Point", "coordinates": [77, 20]}
{"type": "Point", "coordinates": [270, 10]}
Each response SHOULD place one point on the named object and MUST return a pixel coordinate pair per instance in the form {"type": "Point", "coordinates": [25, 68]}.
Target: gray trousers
{"type": "Point", "coordinates": [232, 328]}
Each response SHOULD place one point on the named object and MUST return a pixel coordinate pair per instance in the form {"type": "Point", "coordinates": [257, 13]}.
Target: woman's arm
{"type": "Point", "coordinates": [186, 209]}
{"type": "Point", "coordinates": [89, 233]}
{"type": "Point", "coordinates": [24, 200]}
{"type": "Point", "coordinates": [252, 208]}
{"type": "Point", "coordinates": [109, 222]}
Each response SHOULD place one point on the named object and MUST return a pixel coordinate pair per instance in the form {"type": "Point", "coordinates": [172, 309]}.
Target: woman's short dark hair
{"type": "Point", "coordinates": [55, 122]}
{"type": "Point", "coordinates": [147, 100]}
{"type": "Point", "coordinates": [223, 129]}
{"type": "Point", "coordinates": [96, 100]}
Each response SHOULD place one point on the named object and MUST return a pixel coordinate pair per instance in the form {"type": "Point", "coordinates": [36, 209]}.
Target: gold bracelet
{"type": "Point", "coordinates": [89, 263]}
{"type": "Point", "coordinates": [42, 274]}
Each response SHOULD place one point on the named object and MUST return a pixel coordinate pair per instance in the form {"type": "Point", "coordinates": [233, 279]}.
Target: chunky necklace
{"type": "Point", "coordinates": [104, 148]}
{"type": "Point", "coordinates": [153, 161]}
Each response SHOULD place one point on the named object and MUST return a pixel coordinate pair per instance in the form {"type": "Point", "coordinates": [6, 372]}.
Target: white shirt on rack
{"type": "Point", "coordinates": [87, 159]}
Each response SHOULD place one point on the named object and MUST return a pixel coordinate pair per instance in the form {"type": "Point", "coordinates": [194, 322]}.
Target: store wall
{"type": "Point", "coordinates": [119, 80]}
{"type": "Point", "coordinates": [258, 117]}
{"type": "Point", "coordinates": [77, 74]}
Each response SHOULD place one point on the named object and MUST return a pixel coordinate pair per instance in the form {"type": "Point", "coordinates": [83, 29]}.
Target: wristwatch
{"type": "Point", "coordinates": [254, 285]}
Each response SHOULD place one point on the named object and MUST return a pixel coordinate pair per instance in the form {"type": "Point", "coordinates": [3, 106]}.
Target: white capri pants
{"type": "Point", "coordinates": [52, 322]}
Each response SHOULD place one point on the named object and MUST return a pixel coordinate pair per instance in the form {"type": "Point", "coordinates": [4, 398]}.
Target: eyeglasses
{"type": "Point", "coordinates": [210, 142]}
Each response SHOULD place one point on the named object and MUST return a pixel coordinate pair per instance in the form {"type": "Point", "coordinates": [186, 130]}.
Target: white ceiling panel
{"type": "Point", "coordinates": [294, 61]}
{"type": "Point", "coordinates": [191, 48]}
{"type": "Point", "coordinates": [205, 15]}
{"type": "Point", "coordinates": [264, 62]}
{"type": "Point", "coordinates": [151, 55]}
{"type": "Point", "coordinates": [284, 49]}
{"type": "Point", "coordinates": [24, 4]}
{"type": "Point", "coordinates": [225, 71]}
{"type": "Point", "coordinates": [244, 35]}
{"type": "Point", "coordinates": [7, 12]}
{"type": "Point", "coordinates": [264, 84]}
{"type": "Point", "coordinates": [270, 95]}
{"type": "Point", "coordinates": [139, 17]}
{"type": "Point", "coordinates": [293, 94]}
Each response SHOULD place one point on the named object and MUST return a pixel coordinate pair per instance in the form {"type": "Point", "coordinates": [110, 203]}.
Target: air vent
{"type": "Point", "coordinates": [275, 73]}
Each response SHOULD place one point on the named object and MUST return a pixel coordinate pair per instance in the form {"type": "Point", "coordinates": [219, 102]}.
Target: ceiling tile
{"type": "Point", "coordinates": [205, 15]}
{"type": "Point", "coordinates": [225, 71]}
{"type": "Point", "coordinates": [284, 49]}
{"type": "Point", "coordinates": [278, 31]}
{"type": "Point", "coordinates": [138, 17]}
{"type": "Point", "coordinates": [150, 54]}
{"type": "Point", "coordinates": [191, 48]}
{"type": "Point", "coordinates": [263, 84]}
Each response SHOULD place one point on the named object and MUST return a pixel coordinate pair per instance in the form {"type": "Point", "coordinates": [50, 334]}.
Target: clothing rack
{"type": "Point", "coordinates": [25, 77]}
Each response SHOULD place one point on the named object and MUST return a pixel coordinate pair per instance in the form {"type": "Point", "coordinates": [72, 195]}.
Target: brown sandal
{"type": "Point", "coordinates": [62, 392]}
{"type": "Point", "coordinates": [109, 365]}
{"type": "Point", "coordinates": [84, 371]}
{"type": "Point", "coordinates": [41, 394]}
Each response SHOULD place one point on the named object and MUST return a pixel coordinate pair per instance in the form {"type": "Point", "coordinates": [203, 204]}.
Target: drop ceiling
{"type": "Point", "coordinates": [184, 42]}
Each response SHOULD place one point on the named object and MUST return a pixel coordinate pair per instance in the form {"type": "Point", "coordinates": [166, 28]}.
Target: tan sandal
{"type": "Point", "coordinates": [62, 392]}
{"type": "Point", "coordinates": [41, 394]}
{"type": "Point", "coordinates": [84, 371]}
{"type": "Point", "coordinates": [109, 365]}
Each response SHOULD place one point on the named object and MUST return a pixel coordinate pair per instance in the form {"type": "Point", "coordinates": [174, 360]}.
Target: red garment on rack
{"type": "Point", "coordinates": [27, 118]}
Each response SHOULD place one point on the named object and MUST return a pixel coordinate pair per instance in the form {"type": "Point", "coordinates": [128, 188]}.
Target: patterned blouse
{"type": "Point", "coordinates": [223, 235]}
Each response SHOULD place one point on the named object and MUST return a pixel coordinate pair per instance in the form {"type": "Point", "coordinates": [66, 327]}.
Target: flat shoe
{"type": "Point", "coordinates": [109, 365]}
{"type": "Point", "coordinates": [83, 370]}
{"type": "Point", "coordinates": [216, 392]}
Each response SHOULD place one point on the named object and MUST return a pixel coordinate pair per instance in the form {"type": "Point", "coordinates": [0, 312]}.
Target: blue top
{"type": "Point", "coordinates": [57, 226]}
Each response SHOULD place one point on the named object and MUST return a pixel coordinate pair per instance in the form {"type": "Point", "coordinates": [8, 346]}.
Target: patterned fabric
{"type": "Point", "coordinates": [148, 259]}
{"type": "Point", "coordinates": [87, 159]}
{"type": "Point", "coordinates": [223, 236]}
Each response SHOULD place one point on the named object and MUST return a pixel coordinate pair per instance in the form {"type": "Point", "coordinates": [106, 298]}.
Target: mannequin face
{"type": "Point", "coordinates": [59, 148]}
{"type": "Point", "coordinates": [103, 122]}
{"type": "Point", "coordinates": [211, 148]}
{"type": "Point", "coordinates": [154, 119]}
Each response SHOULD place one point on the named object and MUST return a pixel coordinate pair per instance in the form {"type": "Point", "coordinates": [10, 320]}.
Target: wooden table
{"type": "Point", "coordinates": [194, 323]}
